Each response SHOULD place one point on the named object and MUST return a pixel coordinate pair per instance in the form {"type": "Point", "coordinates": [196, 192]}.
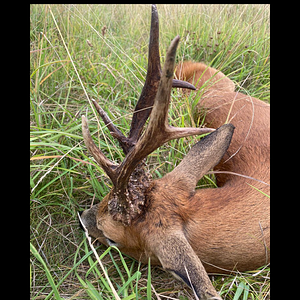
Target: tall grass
{"type": "Point", "coordinates": [78, 52]}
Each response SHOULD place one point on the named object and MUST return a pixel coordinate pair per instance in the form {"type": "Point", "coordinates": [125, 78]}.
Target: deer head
{"type": "Point", "coordinates": [144, 217]}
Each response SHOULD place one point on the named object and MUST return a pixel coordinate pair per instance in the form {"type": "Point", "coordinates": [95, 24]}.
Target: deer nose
{"type": "Point", "coordinates": [88, 220]}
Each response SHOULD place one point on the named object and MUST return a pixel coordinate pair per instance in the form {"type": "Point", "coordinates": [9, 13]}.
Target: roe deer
{"type": "Point", "coordinates": [188, 231]}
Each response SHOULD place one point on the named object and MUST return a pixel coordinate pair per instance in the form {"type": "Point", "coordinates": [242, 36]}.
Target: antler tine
{"type": "Point", "coordinates": [101, 159]}
{"type": "Point", "coordinates": [182, 84]}
{"type": "Point", "coordinates": [146, 100]}
{"type": "Point", "coordinates": [114, 131]}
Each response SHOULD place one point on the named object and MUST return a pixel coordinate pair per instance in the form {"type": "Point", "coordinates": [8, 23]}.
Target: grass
{"type": "Point", "coordinates": [65, 72]}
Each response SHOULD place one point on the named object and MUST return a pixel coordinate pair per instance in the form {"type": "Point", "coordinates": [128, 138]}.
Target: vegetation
{"type": "Point", "coordinates": [79, 52]}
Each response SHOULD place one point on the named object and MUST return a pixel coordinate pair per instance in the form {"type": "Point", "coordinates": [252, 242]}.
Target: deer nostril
{"type": "Point", "coordinates": [87, 217]}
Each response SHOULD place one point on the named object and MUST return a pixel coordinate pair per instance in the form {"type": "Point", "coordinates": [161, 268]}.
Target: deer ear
{"type": "Point", "coordinates": [202, 157]}
{"type": "Point", "coordinates": [178, 257]}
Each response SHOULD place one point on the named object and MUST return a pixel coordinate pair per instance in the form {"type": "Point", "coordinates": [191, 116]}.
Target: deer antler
{"type": "Point", "coordinates": [144, 105]}
{"type": "Point", "coordinates": [129, 178]}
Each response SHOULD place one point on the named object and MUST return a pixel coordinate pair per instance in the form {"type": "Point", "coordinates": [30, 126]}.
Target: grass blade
{"type": "Point", "coordinates": [149, 293]}
{"type": "Point", "coordinates": [240, 289]}
{"type": "Point", "coordinates": [99, 261]}
{"type": "Point", "coordinates": [48, 274]}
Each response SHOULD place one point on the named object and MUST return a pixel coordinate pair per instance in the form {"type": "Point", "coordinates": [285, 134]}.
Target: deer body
{"type": "Point", "coordinates": [189, 231]}
{"type": "Point", "coordinates": [234, 218]}
{"type": "Point", "coordinates": [227, 227]}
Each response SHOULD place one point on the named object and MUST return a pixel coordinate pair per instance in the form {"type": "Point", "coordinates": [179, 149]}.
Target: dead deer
{"type": "Point", "coordinates": [188, 231]}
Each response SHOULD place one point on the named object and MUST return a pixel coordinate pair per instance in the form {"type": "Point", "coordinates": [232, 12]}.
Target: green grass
{"type": "Point", "coordinates": [64, 72]}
